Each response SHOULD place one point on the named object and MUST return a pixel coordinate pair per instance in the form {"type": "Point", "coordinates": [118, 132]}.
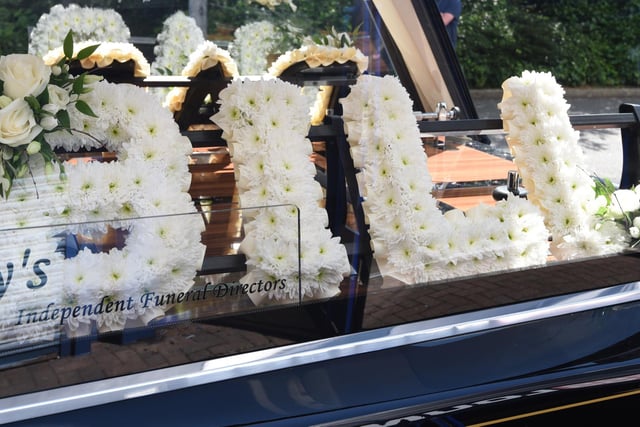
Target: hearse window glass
{"type": "Point", "coordinates": [200, 212]}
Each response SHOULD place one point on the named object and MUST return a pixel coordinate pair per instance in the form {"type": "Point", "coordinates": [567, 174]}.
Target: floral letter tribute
{"type": "Point", "coordinates": [546, 152]}
{"type": "Point", "coordinates": [180, 35]}
{"type": "Point", "coordinates": [413, 241]}
{"type": "Point", "coordinates": [87, 23]}
{"type": "Point", "coordinates": [252, 44]}
{"type": "Point", "coordinates": [143, 194]}
{"type": "Point", "coordinates": [265, 124]}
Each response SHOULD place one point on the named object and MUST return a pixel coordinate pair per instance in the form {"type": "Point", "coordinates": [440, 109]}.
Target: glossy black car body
{"type": "Point", "coordinates": [564, 358]}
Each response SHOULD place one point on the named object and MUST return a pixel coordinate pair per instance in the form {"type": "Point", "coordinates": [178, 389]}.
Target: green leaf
{"type": "Point", "coordinates": [78, 84]}
{"type": "Point", "coordinates": [63, 119]}
{"type": "Point", "coordinates": [85, 90]}
{"type": "Point", "coordinates": [84, 108]}
{"type": "Point", "coordinates": [46, 153]}
{"type": "Point", "coordinates": [604, 187]}
{"type": "Point", "coordinates": [43, 98]}
{"type": "Point", "coordinates": [609, 184]}
{"type": "Point", "coordinates": [87, 51]}
{"type": "Point", "coordinates": [67, 45]}
{"type": "Point", "coordinates": [33, 103]}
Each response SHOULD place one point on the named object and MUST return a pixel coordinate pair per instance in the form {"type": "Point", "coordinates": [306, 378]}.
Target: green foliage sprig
{"type": "Point", "coordinates": [15, 159]}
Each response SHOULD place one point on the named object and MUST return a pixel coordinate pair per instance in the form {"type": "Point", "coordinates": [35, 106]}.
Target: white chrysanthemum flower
{"type": "Point", "coordinates": [115, 283]}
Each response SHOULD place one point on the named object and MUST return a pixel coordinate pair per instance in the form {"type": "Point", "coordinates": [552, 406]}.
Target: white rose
{"type": "Point", "coordinates": [58, 97]}
{"type": "Point", "coordinates": [17, 124]}
{"type": "Point", "coordinates": [23, 75]}
{"type": "Point", "coordinates": [623, 201]}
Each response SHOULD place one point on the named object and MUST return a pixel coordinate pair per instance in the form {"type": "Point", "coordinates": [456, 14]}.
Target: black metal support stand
{"type": "Point", "coordinates": [336, 200]}
{"type": "Point", "coordinates": [362, 255]}
{"type": "Point", "coordinates": [194, 110]}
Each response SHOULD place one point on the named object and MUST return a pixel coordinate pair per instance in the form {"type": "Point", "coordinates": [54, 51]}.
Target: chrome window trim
{"type": "Point", "coordinates": [42, 403]}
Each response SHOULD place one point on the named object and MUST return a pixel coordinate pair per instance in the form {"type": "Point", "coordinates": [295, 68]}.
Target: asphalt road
{"type": "Point", "coordinates": [602, 147]}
